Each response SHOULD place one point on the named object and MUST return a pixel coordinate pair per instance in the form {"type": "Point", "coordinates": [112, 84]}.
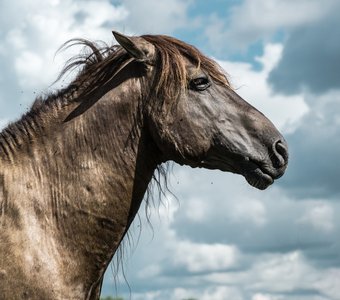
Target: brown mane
{"type": "Point", "coordinates": [103, 62]}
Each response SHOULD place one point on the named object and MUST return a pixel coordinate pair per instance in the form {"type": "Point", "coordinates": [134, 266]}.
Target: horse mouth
{"type": "Point", "coordinates": [258, 178]}
{"type": "Point", "coordinates": [260, 174]}
{"type": "Point", "coordinates": [256, 173]}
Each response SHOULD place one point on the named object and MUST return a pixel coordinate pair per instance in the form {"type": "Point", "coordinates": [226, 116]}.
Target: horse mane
{"type": "Point", "coordinates": [98, 63]}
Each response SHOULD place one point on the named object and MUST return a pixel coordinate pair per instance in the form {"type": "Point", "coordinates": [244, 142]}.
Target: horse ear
{"type": "Point", "coordinates": [137, 47]}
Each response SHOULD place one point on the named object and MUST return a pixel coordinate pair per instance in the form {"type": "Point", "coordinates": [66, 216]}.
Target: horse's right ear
{"type": "Point", "coordinates": [137, 47]}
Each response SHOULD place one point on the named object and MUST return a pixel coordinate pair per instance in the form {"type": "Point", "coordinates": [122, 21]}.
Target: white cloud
{"type": "Point", "coordinates": [179, 266]}
{"type": "Point", "coordinates": [96, 14]}
{"type": "Point", "coordinates": [203, 257]}
{"type": "Point", "coordinates": [182, 264]}
{"type": "Point", "coordinates": [31, 38]}
{"type": "Point", "coordinates": [320, 216]}
{"type": "Point", "coordinates": [154, 16]}
{"type": "Point", "coordinates": [265, 297]}
{"type": "Point", "coordinates": [271, 56]}
{"type": "Point", "coordinates": [271, 277]}
{"type": "Point", "coordinates": [248, 210]}
{"type": "Point", "coordinates": [29, 66]}
{"type": "Point", "coordinates": [289, 272]}
{"type": "Point", "coordinates": [259, 19]}
{"type": "Point", "coordinates": [197, 210]}
{"type": "Point", "coordinates": [150, 271]}
{"type": "Point", "coordinates": [281, 275]}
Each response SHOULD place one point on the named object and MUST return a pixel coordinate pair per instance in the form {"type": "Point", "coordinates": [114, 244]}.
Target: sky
{"type": "Point", "coordinates": [218, 238]}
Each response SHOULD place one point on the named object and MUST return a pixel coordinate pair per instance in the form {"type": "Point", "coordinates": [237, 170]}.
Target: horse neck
{"type": "Point", "coordinates": [81, 182]}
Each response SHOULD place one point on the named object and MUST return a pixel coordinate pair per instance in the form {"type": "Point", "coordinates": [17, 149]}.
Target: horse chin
{"type": "Point", "coordinates": [258, 179]}
{"type": "Point", "coordinates": [255, 175]}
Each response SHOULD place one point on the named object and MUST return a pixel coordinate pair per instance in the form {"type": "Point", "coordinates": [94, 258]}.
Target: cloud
{"type": "Point", "coordinates": [31, 38]}
{"type": "Point", "coordinates": [202, 257]}
{"type": "Point", "coordinates": [258, 20]}
{"type": "Point", "coordinates": [264, 297]}
{"type": "Point", "coordinates": [250, 211]}
{"type": "Point", "coordinates": [314, 150]}
{"type": "Point", "coordinates": [310, 59]}
{"type": "Point", "coordinates": [252, 85]}
{"type": "Point", "coordinates": [293, 255]}
{"type": "Point", "coordinates": [264, 222]}
{"type": "Point", "coordinates": [153, 16]}
{"type": "Point", "coordinates": [319, 216]}
{"type": "Point", "coordinates": [310, 71]}
{"type": "Point", "coordinates": [285, 276]}
{"type": "Point", "coordinates": [198, 210]}
{"type": "Point", "coordinates": [291, 273]}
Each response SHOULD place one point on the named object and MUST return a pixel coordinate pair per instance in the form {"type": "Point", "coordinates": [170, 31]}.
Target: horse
{"type": "Point", "coordinates": [75, 168]}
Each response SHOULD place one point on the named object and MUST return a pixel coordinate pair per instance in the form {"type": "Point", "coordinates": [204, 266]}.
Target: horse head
{"type": "Point", "coordinates": [206, 123]}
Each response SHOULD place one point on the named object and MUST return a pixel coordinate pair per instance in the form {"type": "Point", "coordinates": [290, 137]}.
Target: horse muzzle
{"type": "Point", "coordinates": [262, 173]}
{"type": "Point", "coordinates": [259, 172]}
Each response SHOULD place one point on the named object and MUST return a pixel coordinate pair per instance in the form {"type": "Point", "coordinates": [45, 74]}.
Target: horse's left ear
{"type": "Point", "coordinates": [137, 47]}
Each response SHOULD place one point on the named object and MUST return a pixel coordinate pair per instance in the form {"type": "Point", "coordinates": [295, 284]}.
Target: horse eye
{"type": "Point", "coordinates": [199, 83]}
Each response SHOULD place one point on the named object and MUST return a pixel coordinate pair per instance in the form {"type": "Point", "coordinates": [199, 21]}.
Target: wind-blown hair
{"type": "Point", "coordinates": [102, 63]}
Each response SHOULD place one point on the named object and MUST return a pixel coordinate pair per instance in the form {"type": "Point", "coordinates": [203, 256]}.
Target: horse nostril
{"type": "Point", "coordinates": [281, 153]}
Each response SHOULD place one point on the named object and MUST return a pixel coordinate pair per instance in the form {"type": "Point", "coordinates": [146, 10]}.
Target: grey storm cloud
{"type": "Point", "coordinates": [310, 63]}
{"type": "Point", "coordinates": [311, 59]}
{"type": "Point", "coordinates": [282, 231]}
{"type": "Point", "coordinates": [314, 152]}
{"type": "Point", "coordinates": [285, 229]}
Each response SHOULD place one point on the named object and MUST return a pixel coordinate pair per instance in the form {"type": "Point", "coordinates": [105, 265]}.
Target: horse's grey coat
{"type": "Point", "coordinates": [74, 170]}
